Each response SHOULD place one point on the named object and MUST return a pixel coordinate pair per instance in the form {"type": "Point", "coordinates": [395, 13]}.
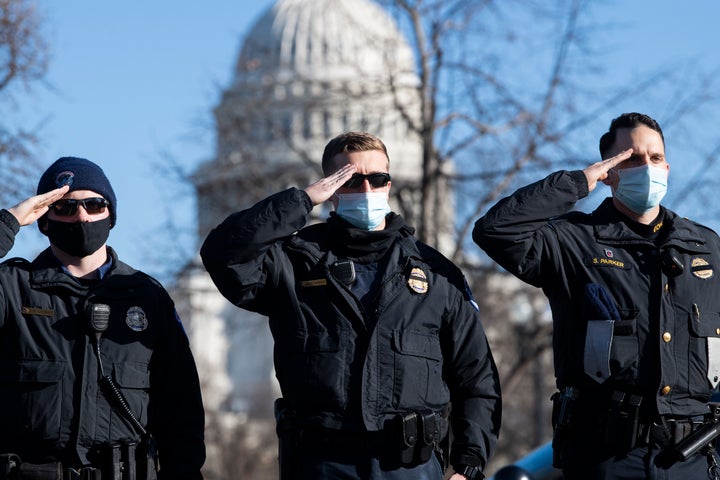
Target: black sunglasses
{"type": "Point", "coordinates": [67, 207]}
{"type": "Point", "coordinates": [377, 180]}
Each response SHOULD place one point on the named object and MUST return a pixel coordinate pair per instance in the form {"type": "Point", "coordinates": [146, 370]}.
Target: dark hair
{"type": "Point", "coordinates": [626, 120]}
{"type": "Point", "coordinates": [350, 142]}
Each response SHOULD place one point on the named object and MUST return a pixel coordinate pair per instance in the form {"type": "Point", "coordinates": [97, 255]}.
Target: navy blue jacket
{"type": "Point", "coordinates": [422, 346]}
{"type": "Point", "coordinates": [668, 326]}
{"type": "Point", "coordinates": [51, 405]}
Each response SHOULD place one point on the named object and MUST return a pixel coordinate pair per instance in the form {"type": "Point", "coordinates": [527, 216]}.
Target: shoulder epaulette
{"type": "Point", "coordinates": [15, 261]}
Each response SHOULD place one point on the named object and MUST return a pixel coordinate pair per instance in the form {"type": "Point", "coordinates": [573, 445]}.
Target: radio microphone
{"type": "Point", "coordinates": [98, 317]}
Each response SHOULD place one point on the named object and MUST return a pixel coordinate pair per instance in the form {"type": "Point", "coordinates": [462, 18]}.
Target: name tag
{"type": "Point", "coordinates": [43, 312]}
{"type": "Point", "coordinates": [320, 282]}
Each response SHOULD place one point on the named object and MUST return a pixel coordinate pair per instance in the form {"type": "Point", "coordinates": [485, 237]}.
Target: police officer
{"type": "Point", "coordinates": [375, 332]}
{"type": "Point", "coordinates": [633, 290]}
{"type": "Point", "coordinates": [96, 374]}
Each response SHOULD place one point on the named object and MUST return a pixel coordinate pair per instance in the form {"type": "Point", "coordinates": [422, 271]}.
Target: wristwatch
{"type": "Point", "coordinates": [470, 472]}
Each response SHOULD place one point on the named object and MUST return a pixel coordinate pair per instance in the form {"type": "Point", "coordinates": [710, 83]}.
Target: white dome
{"type": "Point", "coordinates": [307, 71]}
{"type": "Point", "coordinates": [321, 38]}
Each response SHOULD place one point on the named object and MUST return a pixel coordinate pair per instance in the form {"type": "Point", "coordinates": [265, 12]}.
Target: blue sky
{"type": "Point", "coordinates": [130, 82]}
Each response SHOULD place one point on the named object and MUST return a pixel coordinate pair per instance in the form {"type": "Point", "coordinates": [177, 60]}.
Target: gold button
{"type": "Point", "coordinates": [665, 390]}
{"type": "Point", "coordinates": [717, 330]}
{"type": "Point", "coordinates": [667, 287]}
{"type": "Point", "coordinates": [667, 337]}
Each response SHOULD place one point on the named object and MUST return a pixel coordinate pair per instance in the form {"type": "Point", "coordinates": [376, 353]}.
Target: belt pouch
{"type": "Point", "coordinates": [90, 473]}
{"type": "Point", "coordinates": [146, 455]}
{"type": "Point", "coordinates": [130, 467]}
{"type": "Point", "coordinates": [623, 421]}
{"type": "Point", "coordinates": [408, 436]}
{"type": "Point", "coordinates": [40, 471]}
{"type": "Point", "coordinates": [613, 428]}
{"type": "Point", "coordinates": [113, 465]}
{"type": "Point", "coordinates": [428, 435]}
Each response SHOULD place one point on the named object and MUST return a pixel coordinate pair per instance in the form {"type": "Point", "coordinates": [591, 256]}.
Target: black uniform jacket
{"type": "Point", "coordinates": [51, 405]}
{"type": "Point", "coordinates": [422, 347]}
{"type": "Point", "coordinates": [666, 292]}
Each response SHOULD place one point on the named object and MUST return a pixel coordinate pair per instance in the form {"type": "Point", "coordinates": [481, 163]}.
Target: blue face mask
{"type": "Point", "coordinates": [363, 210]}
{"type": "Point", "coordinates": [641, 188]}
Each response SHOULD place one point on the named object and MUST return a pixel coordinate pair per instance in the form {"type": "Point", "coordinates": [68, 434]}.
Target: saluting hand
{"type": "Point", "coordinates": [599, 172]}
{"type": "Point", "coordinates": [323, 189]}
{"type": "Point", "coordinates": [27, 211]}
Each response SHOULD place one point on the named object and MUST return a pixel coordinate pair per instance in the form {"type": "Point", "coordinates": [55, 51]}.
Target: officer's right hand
{"type": "Point", "coordinates": [323, 189]}
{"type": "Point", "coordinates": [27, 211]}
{"type": "Point", "coordinates": [599, 172]}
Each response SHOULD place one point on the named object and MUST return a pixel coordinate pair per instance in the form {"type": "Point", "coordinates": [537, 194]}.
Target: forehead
{"type": "Point", "coordinates": [82, 194]}
{"type": "Point", "coordinates": [369, 161]}
{"type": "Point", "coordinates": [639, 138]}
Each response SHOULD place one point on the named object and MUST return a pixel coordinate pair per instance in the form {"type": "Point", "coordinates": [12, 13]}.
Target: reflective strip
{"type": "Point", "coordinates": [713, 349]}
{"type": "Point", "coordinates": [598, 340]}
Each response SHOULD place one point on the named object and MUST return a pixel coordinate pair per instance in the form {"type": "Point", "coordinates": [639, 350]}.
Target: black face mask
{"type": "Point", "coordinates": [78, 239]}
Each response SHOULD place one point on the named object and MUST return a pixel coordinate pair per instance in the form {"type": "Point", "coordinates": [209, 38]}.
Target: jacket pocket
{"type": "Point", "coordinates": [625, 348]}
{"type": "Point", "coordinates": [417, 381]}
{"type": "Point", "coordinates": [315, 369]}
{"type": "Point", "coordinates": [31, 400]}
{"type": "Point", "coordinates": [704, 350]}
{"type": "Point", "coordinates": [612, 348]}
{"type": "Point", "coordinates": [133, 382]}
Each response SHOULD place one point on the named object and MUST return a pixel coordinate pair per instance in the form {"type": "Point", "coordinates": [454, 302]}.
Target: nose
{"type": "Point", "coordinates": [365, 186]}
{"type": "Point", "coordinates": [82, 215]}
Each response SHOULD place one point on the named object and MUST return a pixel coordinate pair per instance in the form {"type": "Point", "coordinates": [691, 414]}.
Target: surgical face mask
{"type": "Point", "coordinates": [365, 210]}
{"type": "Point", "coordinates": [641, 188]}
{"type": "Point", "coordinates": [78, 239]}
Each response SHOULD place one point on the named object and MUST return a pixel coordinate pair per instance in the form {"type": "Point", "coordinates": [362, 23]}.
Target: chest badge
{"type": "Point", "coordinates": [701, 268]}
{"type": "Point", "coordinates": [417, 281]}
{"type": "Point", "coordinates": [609, 253]}
{"type": "Point", "coordinates": [136, 319]}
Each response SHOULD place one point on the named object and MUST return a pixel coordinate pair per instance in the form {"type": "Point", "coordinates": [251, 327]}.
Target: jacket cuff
{"type": "Point", "coordinates": [580, 181]}
{"type": "Point", "coordinates": [305, 199]}
{"type": "Point", "coordinates": [9, 220]}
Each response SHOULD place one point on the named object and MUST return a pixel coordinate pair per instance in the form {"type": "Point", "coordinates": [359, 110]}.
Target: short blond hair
{"type": "Point", "coordinates": [350, 142]}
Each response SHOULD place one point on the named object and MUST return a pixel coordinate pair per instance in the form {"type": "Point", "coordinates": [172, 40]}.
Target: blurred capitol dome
{"type": "Point", "coordinates": [307, 71]}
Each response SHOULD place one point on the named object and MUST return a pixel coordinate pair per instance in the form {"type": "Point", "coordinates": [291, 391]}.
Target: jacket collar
{"type": "Point", "coordinates": [611, 226]}
{"type": "Point", "coordinates": [47, 271]}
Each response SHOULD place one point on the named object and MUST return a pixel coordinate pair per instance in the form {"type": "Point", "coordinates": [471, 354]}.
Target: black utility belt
{"type": "Point", "coordinates": [116, 461]}
{"type": "Point", "coordinates": [410, 437]}
{"type": "Point", "coordinates": [13, 468]}
{"type": "Point", "coordinates": [620, 420]}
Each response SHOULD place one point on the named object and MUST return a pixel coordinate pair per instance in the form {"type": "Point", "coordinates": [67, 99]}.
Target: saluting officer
{"type": "Point", "coordinates": [96, 374]}
{"type": "Point", "coordinates": [634, 292]}
{"type": "Point", "coordinates": [376, 333]}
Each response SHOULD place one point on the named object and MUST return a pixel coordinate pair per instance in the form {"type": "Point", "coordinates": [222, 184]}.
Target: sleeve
{"type": "Point", "coordinates": [474, 384]}
{"type": "Point", "coordinates": [9, 227]}
{"type": "Point", "coordinates": [514, 231]}
{"type": "Point", "coordinates": [244, 254]}
{"type": "Point", "coordinates": [177, 416]}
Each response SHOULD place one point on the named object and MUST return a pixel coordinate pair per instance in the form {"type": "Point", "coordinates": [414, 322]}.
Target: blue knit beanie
{"type": "Point", "coordinates": [80, 174]}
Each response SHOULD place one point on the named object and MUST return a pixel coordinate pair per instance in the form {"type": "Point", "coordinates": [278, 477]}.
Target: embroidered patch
{"type": "Point", "coordinates": [64, 178]}
{"type": "Point", "coordinates": [136, 319]}
{"type": "Point", "coordinates": [320, 282]}
{"type": "Point", "coordinates": [701, 268]}
{"type": "Point", "coordinates": [418, 281]}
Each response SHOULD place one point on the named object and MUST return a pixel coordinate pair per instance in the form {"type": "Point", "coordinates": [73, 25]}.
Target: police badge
{"type": "Point", "coordinates": [136, 319]}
